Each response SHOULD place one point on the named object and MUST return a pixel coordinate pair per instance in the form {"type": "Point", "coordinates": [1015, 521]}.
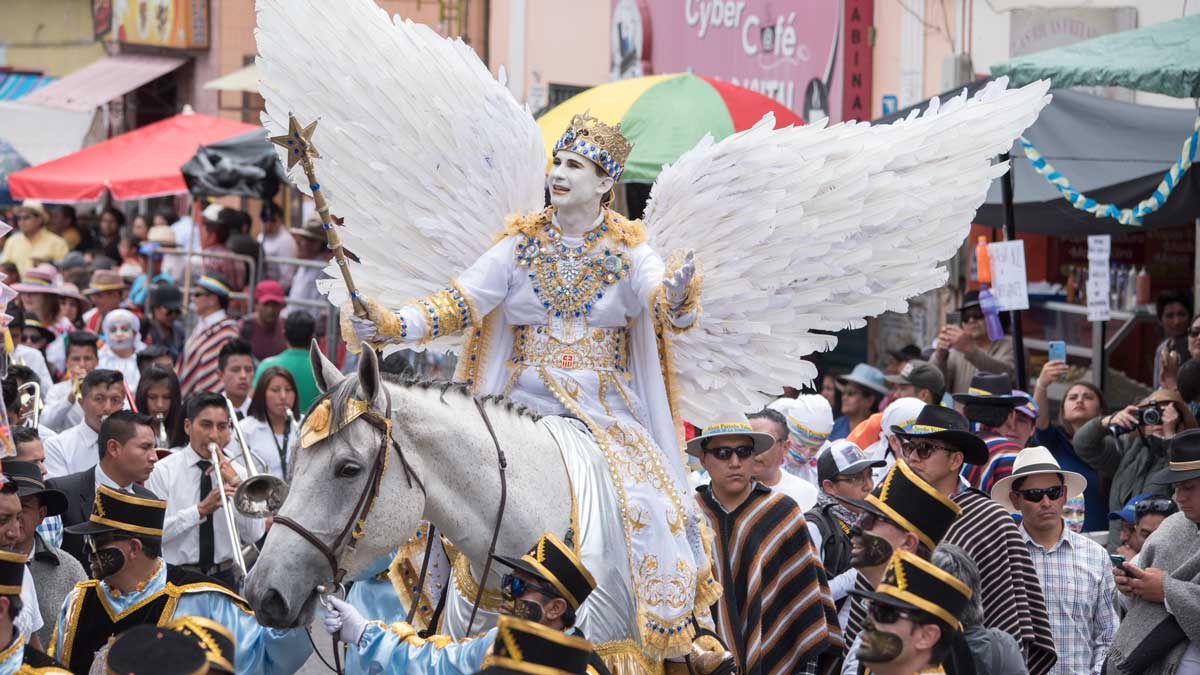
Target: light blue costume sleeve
{"type": "Point", "coordinates": [383, 650]}
{"type": "Point", "coordinates": [376, 598]}
{"type": "Point", "coordinates": [260, 650]}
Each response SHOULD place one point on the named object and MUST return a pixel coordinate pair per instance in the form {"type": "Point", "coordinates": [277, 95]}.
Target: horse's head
{"type": "Point", "coordinates": [341, 475]}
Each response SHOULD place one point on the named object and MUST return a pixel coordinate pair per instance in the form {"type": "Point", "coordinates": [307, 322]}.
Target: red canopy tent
{"type": "Point", "coordinates": [139, 164]}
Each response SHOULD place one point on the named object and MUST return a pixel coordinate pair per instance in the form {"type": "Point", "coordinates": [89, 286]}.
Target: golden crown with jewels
{"type": "Point", "coordinates": [602, 143]}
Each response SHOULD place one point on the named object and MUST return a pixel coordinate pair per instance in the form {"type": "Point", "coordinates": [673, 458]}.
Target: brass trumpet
{"type": "Point", "coordinates": [243, 556]}
{"type": "Point", "coordinates": [30, 395]}
{"type": "Point", "coordinates": [164, 443]}
{"type": "Point", "coordinates": [260, 494]}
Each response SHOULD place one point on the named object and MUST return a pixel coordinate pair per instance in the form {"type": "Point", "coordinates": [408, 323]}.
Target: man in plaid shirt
{"type": "Point", "coordinates": [1073, 569]}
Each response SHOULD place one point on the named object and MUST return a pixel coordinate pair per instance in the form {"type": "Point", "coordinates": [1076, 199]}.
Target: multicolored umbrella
{"type": "Point", "coordinates": [664, 116]}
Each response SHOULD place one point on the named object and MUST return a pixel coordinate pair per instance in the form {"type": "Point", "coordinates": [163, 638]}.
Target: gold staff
{"type": "Point", "coordinates": [298, 143]}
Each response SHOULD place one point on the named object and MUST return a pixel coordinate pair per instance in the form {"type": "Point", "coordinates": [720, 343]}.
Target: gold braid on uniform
{"type": "Point", "coordinates": [446, 312]}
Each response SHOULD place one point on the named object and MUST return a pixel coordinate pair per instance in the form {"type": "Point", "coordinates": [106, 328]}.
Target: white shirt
{"type": "Point", "coordinates": [801, 491]}
{"type": "Point", "coordinates": [25, 355]}
{"type": "Point", "coordinates": [103, 479]}
{"type": "Point", "coordinates": [72, 451]}
{"type": "Point", "coordinates": [279, 245]}
{"type": "Point", "coordinates": [176, 478]}
{"type": "Point", "coordinates": [60, 414]}
{"type": "Point", "coordinates": [29, 620]}
{"type": "Point", "coordinates": [265, 444]}
{"type": "Point", "coordinates": [127, 366]}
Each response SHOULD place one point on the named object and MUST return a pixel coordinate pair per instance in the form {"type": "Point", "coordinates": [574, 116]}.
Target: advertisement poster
{"type": "Point", "coordinates": [789, 51]}
{"type": "Point", "coordinates": [179, 24]}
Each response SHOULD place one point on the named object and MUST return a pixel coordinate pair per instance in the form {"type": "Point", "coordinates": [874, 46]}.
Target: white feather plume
{"type": "Point", "coordinates": [818, 228]}
{"type": "Point", "coordinates": [423, 152]}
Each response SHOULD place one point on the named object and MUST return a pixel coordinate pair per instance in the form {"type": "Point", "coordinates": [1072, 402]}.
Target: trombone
{"type": "Point", "coordinates": [240, 552]}
{"type": "Point", "coordinates": [30, 394]}
{"type": "Point", "coordinates": [261, 493]}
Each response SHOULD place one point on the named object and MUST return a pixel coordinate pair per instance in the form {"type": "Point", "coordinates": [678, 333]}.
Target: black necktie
{"type": "Point", "coordinates": [207, 549]}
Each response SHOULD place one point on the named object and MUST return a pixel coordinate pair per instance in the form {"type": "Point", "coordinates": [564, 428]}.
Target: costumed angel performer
{"type": "Point", "coordinates": [563, 314]}
{"type": "Point", "coordinates": [571, 309]}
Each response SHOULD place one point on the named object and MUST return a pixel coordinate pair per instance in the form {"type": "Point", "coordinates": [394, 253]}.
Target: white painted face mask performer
{"type": "Point", "coordinates": [574, 309]}
{"type": "Point", "coordinates": [573, 296]}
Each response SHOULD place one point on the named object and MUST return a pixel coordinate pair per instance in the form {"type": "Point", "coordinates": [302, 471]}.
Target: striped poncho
{"type": "Point", "coordinates": [1012, 596]}
{"type": "Point", "coordinates": [776, 614]}
{"type": "Point", "coordinates": [198, 364]}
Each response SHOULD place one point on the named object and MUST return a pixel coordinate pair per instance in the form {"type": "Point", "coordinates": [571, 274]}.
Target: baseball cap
{"type": "Point", "coordinates": [841, 458]}
{"type": "Point", "coordinates": [268, 290]}
{"type": "Point", "coordinates": [1128, 513]}
{"type": "Point", "coordinates": [1029, 408]}
{"type": "Point", "coordinates": [920, 374]}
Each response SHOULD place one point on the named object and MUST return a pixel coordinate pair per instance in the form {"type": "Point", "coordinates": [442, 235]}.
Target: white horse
{"type": "Point", "coordinates": [441, 465]}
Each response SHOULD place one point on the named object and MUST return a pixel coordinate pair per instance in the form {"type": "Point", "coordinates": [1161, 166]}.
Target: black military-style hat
{"type": "Point", "coordinates": [28, 478]}
{"type": "Point", "coordinates": [946, 424]}
{"type": "Point", "coordinates": [907, 500]}
{"type": "Point", "coordinates": [216, 641]}
{"type": "Point", "coordinates": [12, 572]}
{"type": "Point", "coordinates": [526, 647]}
{"type": "Point", "coordinates": [911, 582]}
{"type": "Point", "coordinates": [556, 563]}
{"type": "Point", "coordinates": [114, 511]}
{"type": "Point", "coordinates": [147, 648]}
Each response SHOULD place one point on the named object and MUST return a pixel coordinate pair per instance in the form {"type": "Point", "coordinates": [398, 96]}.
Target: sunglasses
{"type": "Point", "coordinates": [968, 317]}
{"type": "Point", "coordinates": [886, 614]}
{"type": "Point", "coordinates": [33, 339]}
{"type": "Point", "coordinates": [867, 521]}
{"type": "Point", "coordinates": [515, 587]}
{"type": "Point", "coordinates": [922, 449]}
{"type": "Point", "coordinates": [1194, 333]}
{"type": "Point", "coordinates": [723, 454]}
{"type": "Point", "coordinates": [1155, 506]}
{"type": "Point", "coordinates": [1034, 495]}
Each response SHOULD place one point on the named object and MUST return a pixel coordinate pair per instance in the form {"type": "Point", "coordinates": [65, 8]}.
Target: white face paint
{"type": "Point", "coordinates": [120, 335]}
{"type": "Point", "coordinates": [575, 183]}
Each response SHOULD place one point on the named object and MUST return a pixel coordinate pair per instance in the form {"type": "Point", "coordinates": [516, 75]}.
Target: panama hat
{"type": "Point", "coordinates": [734, 424]}
{"type": "Point", "coordinates": [40, 279]}
{"type": "Point", "coordinates": [1031, 462]}
{"type": "Point", "coordinates": [990, 389]}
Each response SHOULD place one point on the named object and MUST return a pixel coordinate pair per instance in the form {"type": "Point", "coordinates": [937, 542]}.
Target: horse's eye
{"type": "Point", "coordinates": [349, 470]}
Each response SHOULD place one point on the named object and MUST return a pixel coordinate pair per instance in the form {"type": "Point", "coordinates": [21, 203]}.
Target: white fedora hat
{"type": "Point", "coordinates": [1031, 462]}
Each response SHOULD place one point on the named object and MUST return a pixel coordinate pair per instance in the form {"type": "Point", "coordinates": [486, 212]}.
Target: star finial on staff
{"type": "Point", "coordinates": [297, 141]}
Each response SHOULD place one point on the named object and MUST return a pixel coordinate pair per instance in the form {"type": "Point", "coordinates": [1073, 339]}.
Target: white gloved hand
{"type": "Point", "coordinates": [364, 329]}
{"type": "Point", "coordinates": [344, 621]}
{"type": "Point", "coordinates": [677, 285]}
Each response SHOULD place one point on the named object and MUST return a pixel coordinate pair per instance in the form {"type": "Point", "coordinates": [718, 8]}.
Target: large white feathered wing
{"type": "Point", "coordinates": [817, 228]}
{"type": "Point", "coordinates": [423, 152]}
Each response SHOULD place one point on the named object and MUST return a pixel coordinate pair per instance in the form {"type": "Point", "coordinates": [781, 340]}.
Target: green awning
{"type": "Point", "coordinates": [1163, 59]}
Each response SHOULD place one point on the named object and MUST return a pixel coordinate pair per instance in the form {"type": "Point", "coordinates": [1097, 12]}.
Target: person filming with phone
{"type": "Point", "coordinates": [1160, 587]}
{"type": "Point", "coordinates": [1130, 445]}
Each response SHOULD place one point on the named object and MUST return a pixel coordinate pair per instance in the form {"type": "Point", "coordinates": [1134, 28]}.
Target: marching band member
{"type": "Point", "coordinates": [72, 451]}
{"type": "Point", "coordinates": [133, 585]}
{"type": "Point", "coordinates": [547, 585]}
{"type": "Point", "coordinates": [193, 538]}
{"type": "Point", "coordinates": [62, 399]}
{"type": "Point", "coordinates": [17, 656]}
{"type": "Point", "coordinates": [272, 421]}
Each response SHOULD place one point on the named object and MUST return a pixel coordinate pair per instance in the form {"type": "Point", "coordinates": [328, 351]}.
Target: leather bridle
{"type": "Point", "coordinates": [354, 528]}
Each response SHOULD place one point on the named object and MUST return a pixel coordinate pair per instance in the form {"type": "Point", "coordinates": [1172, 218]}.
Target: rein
{"type": "Point", "coordinates": [362, 508]}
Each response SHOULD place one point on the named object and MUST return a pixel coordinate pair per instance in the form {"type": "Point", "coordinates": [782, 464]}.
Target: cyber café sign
{"type": "Point", "coordinates": [794, 52]}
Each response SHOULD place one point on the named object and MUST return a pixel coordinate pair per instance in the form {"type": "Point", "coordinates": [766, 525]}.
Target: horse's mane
{"type": "Point", "coordinates": [340, 394]}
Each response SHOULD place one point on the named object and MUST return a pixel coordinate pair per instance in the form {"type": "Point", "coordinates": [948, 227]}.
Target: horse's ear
{"type": "Point", "coordinates": [327, 374]}
{"type": "Point", "coordinates": [370, 381]}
